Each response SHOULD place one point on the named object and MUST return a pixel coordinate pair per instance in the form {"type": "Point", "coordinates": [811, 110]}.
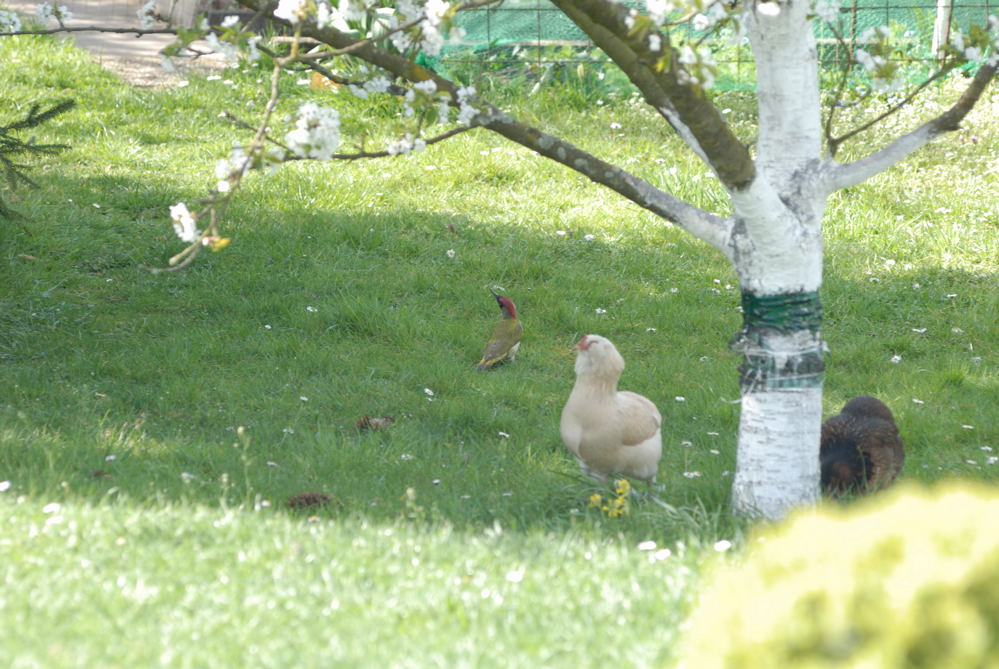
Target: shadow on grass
{"type": "Point", "coordinates": [241, 380]}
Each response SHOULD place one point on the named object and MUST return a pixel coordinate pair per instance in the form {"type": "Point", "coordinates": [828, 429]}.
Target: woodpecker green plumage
{"type": "Point", "coordinates": [505, 339]}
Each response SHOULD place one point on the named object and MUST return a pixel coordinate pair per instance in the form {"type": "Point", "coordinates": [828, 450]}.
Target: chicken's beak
{"type": "Point", "coordinates": [583, 344]}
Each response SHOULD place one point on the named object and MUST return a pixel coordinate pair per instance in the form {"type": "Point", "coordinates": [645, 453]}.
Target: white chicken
{"type": "Point", "coordinates": [611, 432]}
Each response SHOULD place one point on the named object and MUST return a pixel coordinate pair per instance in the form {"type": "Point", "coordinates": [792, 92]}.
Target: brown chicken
{"type": "Point", "coordinates": [861, 450]}
{"type": "Point", "coordinates": [611, 432]}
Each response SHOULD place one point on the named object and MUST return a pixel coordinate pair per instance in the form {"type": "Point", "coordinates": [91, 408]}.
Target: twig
{"type": "Point", "coordinates": [335, 78]}
{"type": "Point", "coordinates": [138, 32]}
{"type": "Point", "coordinates": [834, 142]}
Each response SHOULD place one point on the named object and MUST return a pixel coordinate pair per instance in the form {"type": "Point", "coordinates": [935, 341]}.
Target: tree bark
{"type": "Point", "coordinates": [777, 245]}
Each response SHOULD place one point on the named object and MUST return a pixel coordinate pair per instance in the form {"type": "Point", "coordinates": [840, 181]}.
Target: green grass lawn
{"type": "Point", "coordinates": [152, 427]}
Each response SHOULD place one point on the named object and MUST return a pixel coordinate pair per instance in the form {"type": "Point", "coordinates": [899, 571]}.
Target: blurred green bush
{"type": "Point", "coordinates": [907, 579]}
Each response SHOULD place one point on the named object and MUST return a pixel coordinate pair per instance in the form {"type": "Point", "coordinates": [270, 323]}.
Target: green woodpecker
{"type": "Point", "coordinates": [505, 340]}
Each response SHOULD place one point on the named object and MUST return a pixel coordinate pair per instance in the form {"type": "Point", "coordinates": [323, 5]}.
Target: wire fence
{"type": "Point", "coordinates": [534, 40]}
{"type": "Point", "coordinates": [524, 37]}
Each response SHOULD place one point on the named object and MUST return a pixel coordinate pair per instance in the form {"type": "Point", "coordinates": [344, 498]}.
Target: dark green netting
{"type": "Point", "coordinates": [786, 313]}
{"type": "Point", "coordinates": [530, 33]}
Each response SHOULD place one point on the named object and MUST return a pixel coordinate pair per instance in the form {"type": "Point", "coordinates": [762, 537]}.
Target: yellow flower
{"type": "Point", "coordinates": [595, 499]}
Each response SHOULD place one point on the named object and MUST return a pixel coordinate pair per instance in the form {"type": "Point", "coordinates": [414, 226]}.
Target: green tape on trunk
{"type": "Point", "coordinates": [786, 312]}
{"type": "Point", "coordinates": [765, 369]}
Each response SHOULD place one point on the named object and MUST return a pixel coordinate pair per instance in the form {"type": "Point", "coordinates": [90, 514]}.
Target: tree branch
{"type": "Point", "coordinates": [701, 224]}
{"type": "Point", "coordinates": [850, 174]}
{"type": "Point", "coordinates": [654, 72]}
{"type": "Point", "coordinates": [834, 142]}
{"type": "Point", "coordinates": [705, 226]}
{"type": "Point", "coordinates": [310, 64]}
{"type": "Point", "coordinates": [138, 32]}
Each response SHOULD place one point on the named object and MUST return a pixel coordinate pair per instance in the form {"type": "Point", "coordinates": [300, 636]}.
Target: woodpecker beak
{"type": "Point", "coordinates": [494, 294]}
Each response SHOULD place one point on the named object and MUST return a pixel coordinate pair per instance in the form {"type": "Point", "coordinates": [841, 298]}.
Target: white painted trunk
{"type": "Point", "coordinates": [777, 251]}
{"type": "Point", "coordinates": [778, 454]}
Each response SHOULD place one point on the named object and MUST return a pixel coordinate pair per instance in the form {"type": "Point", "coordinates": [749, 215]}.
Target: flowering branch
{"type": "Point", "coordinates": [835, 142]}
{"type": "Point", "coordinates": [849, 174]}
{"type": "Point", "coordinates": [310, 64]}
{"type": "Point", "coordinates": [961, 50]}
{"type": "Point", "coordinates": [474, 112]}
{"type": "Point", "coordinates": [315, 137]}
{"type": "Point", "coordinates": [670, 80]}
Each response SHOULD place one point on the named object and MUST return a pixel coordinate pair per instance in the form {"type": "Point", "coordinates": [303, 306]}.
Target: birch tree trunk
{"type": "Point", "coordinates": [778, 243]}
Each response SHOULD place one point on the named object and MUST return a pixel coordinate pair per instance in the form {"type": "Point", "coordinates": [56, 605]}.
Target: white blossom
{"type": "Point", "coordinates": [717, 12]}
{"type": "Point", "coordinates": [406, 145]}
{"type": "Point", "coordinates": [443, 112]}
{"type": "Point", "coordinates": [147, 14]}
{"type": "Point", "coordinates": [427, 87]}
{"type": "Point", "coordinates": [9, 21]}
{"type": "Point", "coordinates": [875, 34]}
{"type": "Point", "coordinates": [466, 112]}
{"type": "Point", "coordinates": [184, 224]}
{"type": "Point", "coordinates": [957, 40]}
{"type": "Point", "coordinates": [227, 171]}
{"type": "Point", "coordinates": [629, 20]}
{"type": "Point", "coordinates": [699, 67]}
{"type": "Point", "coordinates": [768, 8]}
{"type": "Point", "coordinates": [655, 42]}
{"type": "Point", "coordinates": [47, 12]}
{"type": "Point", "coordinates": [377, 85]}
{"type": "Point", "coordinates": [316, 133]}
{"type": "Point", "coordinates": [324, 14]}
{"type": "Point", "coordinates": [431, 37]}
{"type": "Point", "coordinates": [292, 11]}
{"type": "Point", "coordinates": [827, 10]}
{"type": "Point", "coordinates": [883, 85]}
{"type": "Point", "coordinates": [252, 52]}
{"type": "Point", "coordinates": [227, 49]}
{"type": "Point", "coordinates": [230, 21]}
{"type": "Point", "coordinates": [353, 10]}
{"type": "Point", "coordinates": [465, 92]}
{"type": "Point", "coordinates": [868, 61]}
{"type": "Point", "coordinates": [659, 9]}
